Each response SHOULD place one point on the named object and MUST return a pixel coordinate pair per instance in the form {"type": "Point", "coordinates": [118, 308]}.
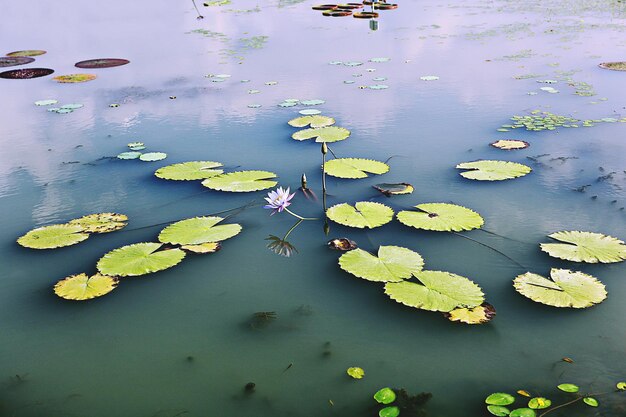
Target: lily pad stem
{"type": "Point", "coordinates": [492, 248]}
{"type": "Point", "coordinates": [560, 406]}
{"type": "Point", "coordinates": [297, 216]}
{"type": "Point", "coordinates": [194, 5]}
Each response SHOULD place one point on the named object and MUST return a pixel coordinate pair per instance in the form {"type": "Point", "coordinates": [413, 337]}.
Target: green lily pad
{"type": "Point", "coordinates": [129, 155]}
{"type": "Point", "coordinates": [356, 372]}
{"type": "Point", "coordinates": [28, 52]}
{"type": "Point", "coordinates": [354, 167]}
{"type": "Point", "coordinates": [81, 287]}
{"type": "Point", "coordinates": [74, 78]}
{"type": "Point", "coordinates": [621, 386]}
{"type": "Point", "coordinates": [312, 121]}
{"type": "Point", "coordinates": [565, 288]}
{"type": "Point", "coordinates": [385, 396]}
{"type": "Point", "coordinates": [394, 189]}
{"type": "Point", "coordinates": [568, 388]}
{"type": "Point", "coordinates": [188, 171]}
{"type": "Point", "coordinates": [486, 170]}
{"type": "Point", "coordinates": [241, 181]}
{"type": "Point", "coordinates": [585, 247]}
{"type": "Point", "coordinates": [53, 236]}
{"type": "Point", "coordinates": [322, 134]}
{"type": "Point", "coordinates": [539, 403]}
{"type": "Point", "coordinates": [393, 264]}
{"type": "Point", "coordinates": [139, 259]}
{"type": "Point", "coordinates": [436, 291]}
{"type": "Point", "coordinates": [362, 214]}
{"type": "Point", "coordinates": [45, 102]}
{"type": "Point", "coordinates": [591, 402]}
{"type": "Point", "coordinates": [441, 217]}
{"type": "Point", "coordinates": [152, 156]}
{"type": "Point", "coordinates": [101, 222]}
{"type": "Point", "coordinates": [510, 144]}
{"type": "Point", "coordinates": [309, 112]}
{"type": "Point", "coordinates": [500, 398]}
{"type": "Point", "coordinates": [314, 102]}
{"type": "Point", "coordinates": [498, 410]}
{"type": "Point", "coordinates": [523, 412]}
{"type": "Point", "coordinates": [198, 230]}
{"type": "Point", "coordinates": [393, 411]}
{"type": "Point", "coordinates": [477, 315]}
{"type": "Point", "coordinates": [72, 106]}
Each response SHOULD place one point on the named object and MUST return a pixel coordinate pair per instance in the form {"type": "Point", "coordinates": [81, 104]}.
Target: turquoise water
{"type": "Point", "coordinates": [180, 342]}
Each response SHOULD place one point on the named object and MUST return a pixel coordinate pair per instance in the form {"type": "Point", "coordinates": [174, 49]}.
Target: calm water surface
{"type": "Point", "coordinates": [179, 342]}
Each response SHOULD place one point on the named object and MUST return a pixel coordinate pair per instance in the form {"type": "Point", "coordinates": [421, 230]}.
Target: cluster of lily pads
{"type": "Point", "coordinates": [357, 75]}
{"type": "Point", "coordinates": [63, 109]}
{"type": "Point", "coordinates": [542, 120]}
{"type": "Point", "coordinates": [134, 153]}
{"type": "Point", "coordinates": [348, 9]}
{"type": "Point", "coordinates": [498, 402]}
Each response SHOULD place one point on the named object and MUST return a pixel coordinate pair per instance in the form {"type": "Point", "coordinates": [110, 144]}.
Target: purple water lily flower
{"type": "Point", "coordinates": [278, 200]}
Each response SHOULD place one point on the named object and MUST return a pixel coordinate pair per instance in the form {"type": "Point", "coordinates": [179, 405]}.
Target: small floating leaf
{"type": "Point", "coordinates": [101, 222]}
{"type": "Point", "coordinates": [523, 412]}
{"type": "Point", "coordinates": [129, 155]}
{"type": "Point", "coordinates": [241, 181]}
{"type": "Point", "coordinates": [500, 398]}
{"type": "Point", "coordinates": [152, 156]}
{"type": "Point", "coordinates": [486, 170]}
{"type": "Point", "coordinates": [314, 102]}
{"type": "Point", "coordinates": [313, 121]}
{"type": "Point", "coordinates": [45, 102]}
{"type": "Point", "coordinates": [393, 264]}
{"type": "Point", "coordinates": [309, 112]}
{"type": "Point", "coordinates": [477, 315]}
{"type": "Point", "coordinates": [322, 134]}
{"type": "Point", "coordinates": [188, 171]}
{"type": "Point", "coordinates": [621, 386]}
{"type": "Point", "coordinates": [585, 247]}
{"type": "Point", "coordinates": [362, 214]}
{"type": "Point", "coordinates": [591, 402]}
{"type": "Point", "coordinates": [28, 52]}
{"type": "Point", "coordinates": [498, 410]}
{"type": "Point", "coordinates": [26, 73]}
{"type": "Point", "coordinates": [53, 236]}
{"type": "Point", "coordinates": [101, 63]}
{"type": "Point", "coordinates": [354, 167]}
{"type": "Point", "coordinates": [510, 144]}
{"type": "Point", "coordinates": [568, 387]}
{"type": "Point", "coordinates": [437, 291]}
{"type": "Point", "coordinates": [565, 289]}
{"type": "Point", "coordinates": [139, 259]}
{"type": "Point", "coordinates": [198, 230]}
{"type": "Point", "coordinates": [539, 403]}
{"type": "Point", "coordinates": [441, 217]}
{"type": "Point", "coordinates": [74, 78]}
{"type": "Point", "coordinates": [356, 372]}
{"type": "Point", "coordinates": [429, 78]}
{"type": "Point", "coordinates": [615, 66]}
{"type": "Point", "coordinates": [385, 396]}
{"type": "Point", "coordinates": [81, 287]}
{"type": "Point", "coordinates": [393, 411]}
{"type": "Point", "coordinates": [394, 189]}
{"type": "Point", "coordinates": [524, 393]}
{"type": "Point", "coordinates": [72, 106]}
{"type": "Point", "coordinates": [203, 248]}
{"type": "Point", "coordinates": [342, 244]}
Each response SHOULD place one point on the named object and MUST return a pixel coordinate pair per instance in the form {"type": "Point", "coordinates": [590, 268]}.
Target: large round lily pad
{"type": "Point", "coordinates": [82, 287]}
{"type": "Point", "coordinates": [500, 398]}
{"type": "Point", "coordinates": [198, 230]}
{"type": "Point", "coordinates": [322, 134]}
{"type": "Point", "coordinates": [241, 181]}
{"type": "Point", "coordinates": [585, 247]}
{"type": "Point", "coordinates": [363, 214]}
{"type": "Point", "coordinates": [10, 61]}
{"type": "Point", "coordinates": [101, 222]}
{"type": "Point", "coordinates": [53, 236]}
{"type": "Point", "coordinates": [74, 78]}
{"type": "Point", "coordinates": [486, 170]}
{"type": "Point", "coordinates": [393, 264]}
{"type": "Point", "coordinates": [441, 217]}
{"type": "Point", "coordinates": [436, 291]}
{"type": "Point", "coordinates": [101, 63]}
{"type": "Point", "coordinates": [188, 171]}
{"type": "Point", "coordinates": [28, 52]}
{"type": "Point", "coordinates": [354, 167]}
{"type": "Point", "coordinates": [26, 73]}
{"type": "Point", "coordinates": [139, 259]}
{"type": "Point", "coordinates": [312, 121]}
{"type": "Point", "coordinates": [565, 288]}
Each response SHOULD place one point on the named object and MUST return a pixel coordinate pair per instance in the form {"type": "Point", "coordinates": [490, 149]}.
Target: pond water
{"type": "Point", "coordinates": [181, 341]}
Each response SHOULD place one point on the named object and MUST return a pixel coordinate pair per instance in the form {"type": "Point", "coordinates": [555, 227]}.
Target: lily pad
{"type": "Point", "coordinates": [74, 78]}
{"type": "Point", "coordinates": [72, 106]}
{"type": "Point", "coordinates": [477, 315]}
{"type": "Point", "coordinates": [53, 236]}
{"type": "Point", "coordinates": [510, 144]}
{"type": "Point", "coordinates": [500, 398]}
{"type": "Point", "coordinates": [394, 189]}
{"type": "Point", "coordinates": [539, 403]}
{"type": "Point", "coordinates": [322, 134]}
{"type": "Point", "coordinates": [188, 171]}
{"type": "Point", "coordinates": [139, 259]}
{"type": "Point", "coordinates": [429, 78]}
{"type": "Point", "coordinates": [615, 66]}
{"type": "Point", "coordinates": [565, 288]}
{"type": "Point", "coordinates": [498, 410]}
{"type": "Point", "coordinates": [356, 372]}
{"type": "Point", "coordinates": [392, 411]}
{"type": "Point", "coordinates": [101, 222]}
{"type": "Point", "coordinates": [312, 121]}
{"type": "Point", "coordinates": [202, 248]}
{"type": "Point", "coordinates": [81, 287]}
{"type": "Point", "coordinates": [436, 291]}
{"type": "Point", "coordinates": [621, 386]}
{"type": "Point", "coordinates": [45, 102]}
{"type": "Point", "coordinates": [26, 73]}
{"type": "Point", "coordinates": [441, 217]}
{"type": "Point", "coordinates": [11, 61]}
{"type": "Point", "coordinates": [523, 412]}
{"type": "Point", "coordinates": [314, 102]}
{"type": "Point", "coordinates": [28, 52]}
{"type": "Point", "coordinates": [152, 156]}
{"type": "Point", "coordinates": [571, 388]}
{"type": "Point", "coordinates": [241, 181]}
{"type": "Point", "coordinates": [591, 402]}
{"type": "Point", "coordinates": [393, 264]}
{"type": "Point", "coordinates": [385, 396]}
{"type": "Point", "coordinates": [363, 214]}
{"type": "Point", "coordinates": [486, 170]}
{"type": "Point", "coordinates": [101, 63]}
{"type": "Point", "coordinates": [129, 155]}
{"type": "Point", "coordinates": [354, 167]}
{"type": "Point", "coordinates": [198, 230]}
{"type": "Point", "coordinates": [309, 112]}
{"type": "Point", "coordinates": [585, 247]}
